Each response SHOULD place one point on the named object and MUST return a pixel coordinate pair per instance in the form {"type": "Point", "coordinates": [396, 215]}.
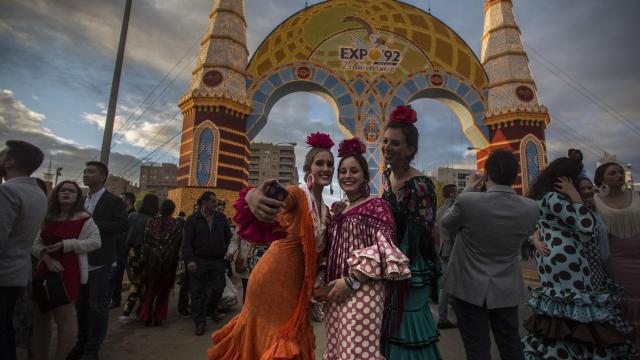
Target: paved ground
{"type": "Point", "coordinates": [175, 338]}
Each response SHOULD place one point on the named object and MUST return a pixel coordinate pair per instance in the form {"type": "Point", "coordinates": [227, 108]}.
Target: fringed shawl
{"type": "Point", "coordinates": [365, 220]}
{"type": "Point", "coordinates": [622, 223]}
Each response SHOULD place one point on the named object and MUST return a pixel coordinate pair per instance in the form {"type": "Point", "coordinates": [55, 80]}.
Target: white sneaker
{"type": "Point", "coordinates": [124, 319]}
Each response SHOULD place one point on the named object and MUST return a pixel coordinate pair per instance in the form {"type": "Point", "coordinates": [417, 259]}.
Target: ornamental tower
{"type": "Point", "coordinates": [515, 117]}
{"type": "Point", "coordinates": [214, 147]}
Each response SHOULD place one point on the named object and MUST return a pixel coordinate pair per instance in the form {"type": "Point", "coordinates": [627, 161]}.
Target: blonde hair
{"type": "Point", "coordinates": [308, 159]}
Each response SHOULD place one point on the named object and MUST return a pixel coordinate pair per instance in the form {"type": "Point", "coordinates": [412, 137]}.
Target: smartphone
{"type": "Point", "coordinates": [321, 294]}
{"type": "Point", "coordinates": [277, 192]}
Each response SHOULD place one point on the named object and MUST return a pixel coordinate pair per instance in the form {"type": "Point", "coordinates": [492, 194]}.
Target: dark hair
{"type": "Point", "coordinates": [104, 170]}
{"type": "Point", "coordinates": [598, 179]}
{"type": "Point", "coordinates": [182, 214]}
{"type": "Point", "coordinates": [502, 167]}
{"type": "Point", "coordinates": [410, 133]}
{"type": "Point", "coordinates": [42, 185]}
{"type": "Point", "coordinates": [560, 167]}
{"type": "Point", "coordinates": [361, 162]}
{"type": "Point", "coordinates": [206, 196]}
{"type": "Point", "coordinates": [129, 196]}
{"type": "Point", "coordinates": [576, 151]}
{"type": "Point", "coordinates": [167, 207]}
{"type": "Point", "coordinates": [53, 207]}
{"type": "Point", "coordinates": [27, 157]}
{"type": "Point", "coordinates": [448, 189]}
{"type": "Point", "coordinates": [149, 205]}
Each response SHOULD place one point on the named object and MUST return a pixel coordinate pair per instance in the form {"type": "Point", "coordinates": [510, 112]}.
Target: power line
{"type": "Point", "coordinates": [133, 166]}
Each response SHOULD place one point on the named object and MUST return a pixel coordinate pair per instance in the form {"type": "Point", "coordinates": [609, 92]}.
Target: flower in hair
{"type": "Point", "coordinates": [320, 140]}
{"type": "Point", "coordinates": [404, 114]}
{"type": "Point", "coordinates": [351, 146]}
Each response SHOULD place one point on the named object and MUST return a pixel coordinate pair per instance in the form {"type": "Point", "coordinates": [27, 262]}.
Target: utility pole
{"type": "Point", "coordinates": [115, 85]}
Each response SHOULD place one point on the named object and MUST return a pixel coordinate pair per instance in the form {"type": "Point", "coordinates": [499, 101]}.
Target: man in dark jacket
{"type": "Point", "coordinates": [122, 250]}
{"type": "Point", "coordinates": [93, 301]}
{"type": "Point", "coordinates": [206, 237]}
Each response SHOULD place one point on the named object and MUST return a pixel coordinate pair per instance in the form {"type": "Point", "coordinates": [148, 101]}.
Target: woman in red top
{"type": "Point", "coordinates": [67, 236]}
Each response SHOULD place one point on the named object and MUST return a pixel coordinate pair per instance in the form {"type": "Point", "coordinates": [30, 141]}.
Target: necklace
{"type": "Point", "coordinates": [352, 202]}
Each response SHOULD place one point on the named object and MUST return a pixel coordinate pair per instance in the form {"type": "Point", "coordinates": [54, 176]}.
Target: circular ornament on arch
{"type": "Point", "coordinates": [213, 78]}
{"type": "Point", "coordinates": [524, 93]}
{"type": "Point", "coordinates": [303, 72]}
{"type": "Point", "coordinates": [436, 80]}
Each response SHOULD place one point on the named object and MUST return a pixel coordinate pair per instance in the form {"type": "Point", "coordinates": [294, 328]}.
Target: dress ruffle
{"type": "Point", "coordinates": [602, 334]}
{"type": "Point", "coordinates": [252, 229]}
{"type": "Point", "coordinates": [538, 348]}
{"type": "Point", "coordinates": [576, 305]}
{"type": "Point", "coordinates": [367, 261]}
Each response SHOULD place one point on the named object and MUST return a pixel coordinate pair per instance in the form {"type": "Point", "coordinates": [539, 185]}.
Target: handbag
{"type": "Point", "coordinates": [49, 291]}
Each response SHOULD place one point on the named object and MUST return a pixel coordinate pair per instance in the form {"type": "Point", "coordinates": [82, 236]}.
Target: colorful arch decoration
{"type": "Point", "coordinates": [365, 57]}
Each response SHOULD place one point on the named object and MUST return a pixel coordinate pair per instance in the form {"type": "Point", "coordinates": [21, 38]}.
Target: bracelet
{"type": "Point", "coordinates": [349, 281]}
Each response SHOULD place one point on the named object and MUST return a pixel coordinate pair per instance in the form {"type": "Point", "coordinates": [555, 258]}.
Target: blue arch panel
{"type": "Point", "coordinates": [205, 152]}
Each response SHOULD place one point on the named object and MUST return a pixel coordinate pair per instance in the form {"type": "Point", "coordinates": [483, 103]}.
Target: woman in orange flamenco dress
{"type": "Point", "coordinates": [274, 321]}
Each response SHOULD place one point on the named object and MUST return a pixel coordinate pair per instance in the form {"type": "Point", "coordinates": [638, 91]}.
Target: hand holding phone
{"type": "Point", "coordinates": [276, 191]}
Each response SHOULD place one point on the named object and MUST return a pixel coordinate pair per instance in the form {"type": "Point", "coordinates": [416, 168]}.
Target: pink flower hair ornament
{"type": "Point", "coordinates": [404, 114]}
{"type": "Point", "coordinates": [350, 147]}
{"type": "Point", "coordinates": [320, 140]}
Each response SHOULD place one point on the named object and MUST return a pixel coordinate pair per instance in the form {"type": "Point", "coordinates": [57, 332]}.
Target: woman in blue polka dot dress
{"type": "Point", "coordinates": [572, 318]}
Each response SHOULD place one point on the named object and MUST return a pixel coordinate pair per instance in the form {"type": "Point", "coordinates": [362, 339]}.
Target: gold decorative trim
{"type": "Point", "coordinates": [231, 142]}
{"type": "Point", "coordinates": [225, 37]}
{"type": "Point", "coordinates": [186, 142]}
{"type": "Point", "coordinates": [229, 178]}
{"type": "Point", "coordinates": [511, 118]}
{"type": "Point", "coordinates": [234, 167]}
{"type": "Point", "coordinates": [231, 11]}
{"type": "Point", "coordinates": [216, 65]}
{"type": "Point", "coordinates": [501, 27]}
{"type": "Point", "coordinates": [505, 53]}
{"type": "Point", "coordinates": [191, 102]}
{"type": "Point", "coordinates": [233, 131]}
{"type": "Point", "coordinates": [182, 177]}
{"type": "Point", "coordinates": [541, 158]}
{"type": "Point", "coordinates": [512, 81]}
{"type": "Point", "coordinates": [490, 3]}
{"type": "Point", "coordinates": [241, 157]}
{"type": "Point", "coordinates": [213, 171]}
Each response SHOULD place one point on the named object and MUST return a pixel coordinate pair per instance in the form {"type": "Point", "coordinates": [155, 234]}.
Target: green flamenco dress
{"type": "Point", "coordinates": [411, 332]}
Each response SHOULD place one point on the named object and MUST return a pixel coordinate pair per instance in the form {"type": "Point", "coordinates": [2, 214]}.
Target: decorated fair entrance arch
{"type": "Point", "coordinates": [366, 58]}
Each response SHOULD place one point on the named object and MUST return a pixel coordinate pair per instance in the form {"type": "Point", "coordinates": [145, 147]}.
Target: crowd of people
{"type": "Point", "coordinates": [367, 266]}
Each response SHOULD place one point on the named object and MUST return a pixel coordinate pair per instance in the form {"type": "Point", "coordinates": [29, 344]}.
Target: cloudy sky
{"type": "Point", "coordinates": [56, 64]}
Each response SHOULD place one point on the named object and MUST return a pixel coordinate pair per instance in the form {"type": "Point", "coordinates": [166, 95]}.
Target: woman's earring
{"type": "Point", "coordinates": [603, 190]}
{"type": "Point", "coordinates": [310, 182]}
{"type": "Point", "coordinates": [331, 188]}
{"type": "Point", "coordinates": [367, 190]}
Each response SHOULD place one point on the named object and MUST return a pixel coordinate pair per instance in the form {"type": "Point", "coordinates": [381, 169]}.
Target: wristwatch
{"type": "Point", "coordinates": [353, 283]}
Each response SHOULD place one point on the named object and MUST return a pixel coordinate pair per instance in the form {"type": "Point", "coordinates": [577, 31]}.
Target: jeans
{"type": "Point", "coordinates": [443, 297]}
{"type": "Point", "coordinates": [93, 311]}
{"type": "Point", "coordinates": [474, 322]}
{"type": "Point", "coordinates": [183, 298]}
{"type": "Point", "coordinates": [8, 297]}
{"type": "Point", "coordinates": [207, 286]}
{"type": "Point", "coordinates": [116, 273]}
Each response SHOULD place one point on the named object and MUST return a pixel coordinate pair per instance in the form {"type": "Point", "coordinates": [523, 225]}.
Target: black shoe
{"type": "Point", "coordinates": [157, 322]}
{"type": "Point", "coordinates": [217, 316]}
{"type": "Point", "coordinates": [200, 330]}
{"type": "Point", "coordinates": [446, 324]}
{"type": "Point", "coordinates": [185, 313]}
{"type": "Point", "coordinates": [75, 353]}
{"type": "Point", "coordinates": [114, 305]}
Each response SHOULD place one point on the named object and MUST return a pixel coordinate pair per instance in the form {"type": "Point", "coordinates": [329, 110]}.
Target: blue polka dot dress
{"type": "Point", "coordinates": [573, 318]}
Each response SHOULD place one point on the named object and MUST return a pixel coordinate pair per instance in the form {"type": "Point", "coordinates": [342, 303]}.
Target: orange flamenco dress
{"type": "Point", "coordinates": [274, 321]}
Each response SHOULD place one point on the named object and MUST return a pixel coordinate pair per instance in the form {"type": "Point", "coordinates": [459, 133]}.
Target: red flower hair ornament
{"type": "Point", "coordinates": [320, 140]}
{"type": "Point", "coordinates": [350, 147]}
{"type": "Point", "coordinates": [404, 114]}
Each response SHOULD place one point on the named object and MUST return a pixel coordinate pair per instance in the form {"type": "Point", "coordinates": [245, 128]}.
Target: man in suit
{"type": "Point", "coordinates": [122, 250]}
{"type": "Point", "coordinates": [93, 301]}
{"type": "Point", "coordinates": [484, 273]}
{"type": "Point", "coordinates": [23, 207]}
{"type": "Point", "coordinates": [447, 239]}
